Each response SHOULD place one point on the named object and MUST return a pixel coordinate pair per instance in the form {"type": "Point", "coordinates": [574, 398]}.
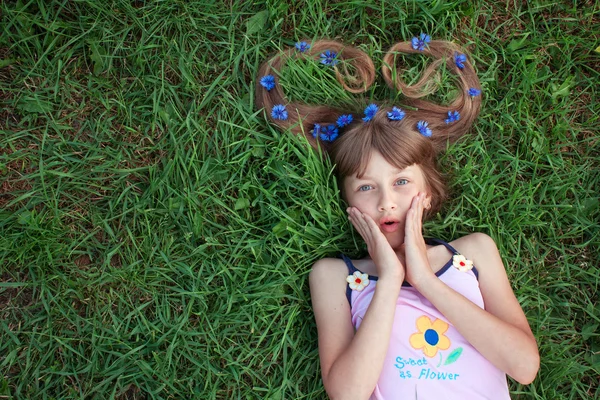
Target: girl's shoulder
{"type": "Point", "coordinates": [477, 247]}
{"type": "Point", "coordinates": [473, 243]}
{"type": "Point", "coordinates": [328, 271]}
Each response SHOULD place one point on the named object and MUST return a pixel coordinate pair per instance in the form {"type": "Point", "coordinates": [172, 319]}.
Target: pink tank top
{"type": "Point", "coordinates": [427, 358]}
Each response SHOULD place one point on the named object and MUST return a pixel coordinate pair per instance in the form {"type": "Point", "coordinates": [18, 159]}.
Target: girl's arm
{"type": "Point", "coordinates": [352, 362]}
{"type": "Point", "coordinates": [500, 332]}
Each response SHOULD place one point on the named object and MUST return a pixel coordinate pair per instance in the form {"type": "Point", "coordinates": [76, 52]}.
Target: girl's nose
{"type": "Point", "coordinates": [386, 202]}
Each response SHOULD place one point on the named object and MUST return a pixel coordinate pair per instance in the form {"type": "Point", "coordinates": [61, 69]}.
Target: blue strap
{"type": "Point", "coordinates": [351, 270]}
{"type": "Point", "coordinates": [430, 241]}
{"type": "Point", "coordinates": [433, 241]}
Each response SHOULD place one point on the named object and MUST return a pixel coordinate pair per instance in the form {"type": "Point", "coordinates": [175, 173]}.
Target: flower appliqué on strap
{"type": "Point", "coordinates": [461, 263]}
{"type": "Point", "coordinates": [358, 281]}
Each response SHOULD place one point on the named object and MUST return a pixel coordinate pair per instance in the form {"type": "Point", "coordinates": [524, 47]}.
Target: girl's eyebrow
{"type": "Point", "coordinates": [396, 172]}
{"type": "Point", "coordinates": [363, 178]}
{"type": "Point", "coordinates": [399, 171]}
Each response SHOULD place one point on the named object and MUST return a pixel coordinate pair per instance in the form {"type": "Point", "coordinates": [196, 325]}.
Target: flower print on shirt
{"type": "Point", "coordinates": [430, 336]}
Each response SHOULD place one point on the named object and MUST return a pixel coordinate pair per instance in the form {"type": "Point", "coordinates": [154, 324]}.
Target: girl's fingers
{"type": "Point", "coordinates": [366, 226]}
{"type": "Point", "coordinates": [371, 224]}
{"type": "Point", "coordinates": [360, 220]}
{"type": "Point", "coordinates": [373, 228]}
{"type": "Point", "coordinates": [357, 219]}
{"type": "Point", "coordinates": [415, 215]}
{"type": "Point", "coordinates": [419, 216]}
{"type": "Point", "coordinates": [356, 225]}
{"type": "Point", "coordinates": [410, 217]}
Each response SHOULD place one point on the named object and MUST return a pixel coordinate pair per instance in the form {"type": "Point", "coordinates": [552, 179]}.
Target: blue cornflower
{"type": "Point", "coordinates": [459, 59]}
{"type": "Point", "coordinates": [423, 128]}
{"type": "Point", "coordinates": [329, 134]}
{"type": "Point", "coordinates": [396, 114]}
{"type": "Point", "coordinates": [344, 120]}
{"type": "Point", "coordinates": [453, 116]}
{"type": "Point", "coordinates": [419, 43]}
{"type": "Point", "coordinates": [316, 130]}
{"type": "Point", "coordinates": [473, 92]}
{"type": "Point", "coordinates": [279, 112]}
{"type": "Point", "coordinates": [329, 58]}
{"type": "Point", "coordinates": [302, 46]}
{"type": "Point", "coordinates": [268, 82]}
{"type": "Point", "coordinates": [370, 112]}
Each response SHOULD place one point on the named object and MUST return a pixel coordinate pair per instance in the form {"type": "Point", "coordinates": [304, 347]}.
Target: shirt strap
{"type": "Point", "coordinates": [351, 270]}
{"type": "Point", "coordinates": [432, 241]}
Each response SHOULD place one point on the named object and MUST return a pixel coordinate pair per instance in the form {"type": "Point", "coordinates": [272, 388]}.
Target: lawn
{"type": "Point", "coordinates": [156, 232]}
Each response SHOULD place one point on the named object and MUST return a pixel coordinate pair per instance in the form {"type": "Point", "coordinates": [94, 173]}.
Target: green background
{"type": "Point", "coordinates": [156, 232]}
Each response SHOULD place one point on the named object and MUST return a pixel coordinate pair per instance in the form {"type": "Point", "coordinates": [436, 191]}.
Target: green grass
{"type": "Point", "coordinates": [156, 232]}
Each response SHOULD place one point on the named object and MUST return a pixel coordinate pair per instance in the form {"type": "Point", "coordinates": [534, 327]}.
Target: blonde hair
{"type": "Point", "coordinates": [399, 142]}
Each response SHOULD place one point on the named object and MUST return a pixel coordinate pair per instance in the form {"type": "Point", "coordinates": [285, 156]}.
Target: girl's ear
{"type": "Point", "coordinates": [427, 202]}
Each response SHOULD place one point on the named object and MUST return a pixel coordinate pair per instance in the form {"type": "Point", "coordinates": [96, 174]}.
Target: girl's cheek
{"type": "Point", "coordinates": [363, 199]}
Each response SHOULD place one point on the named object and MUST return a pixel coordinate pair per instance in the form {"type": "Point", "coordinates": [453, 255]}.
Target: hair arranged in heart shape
{"type": "Point", "coordinates": [412, 132]}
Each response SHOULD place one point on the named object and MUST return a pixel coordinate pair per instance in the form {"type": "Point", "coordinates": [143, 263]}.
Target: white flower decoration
{"type": "Point", "coordinates": [358, 281]}
{"type": "Point", "coordinates": [461, 263]}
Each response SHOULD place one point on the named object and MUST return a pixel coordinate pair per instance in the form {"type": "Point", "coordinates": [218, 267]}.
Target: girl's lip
{"type": "Point", "coordinates": [389, 228]}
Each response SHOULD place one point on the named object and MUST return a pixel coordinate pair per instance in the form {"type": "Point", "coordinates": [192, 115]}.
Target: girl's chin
{"type": "Point", "coordinates": [396, 240]}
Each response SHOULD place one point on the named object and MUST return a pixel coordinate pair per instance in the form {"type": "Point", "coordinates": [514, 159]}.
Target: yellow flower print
{"type": "Point", "coordinates": [430, 337]}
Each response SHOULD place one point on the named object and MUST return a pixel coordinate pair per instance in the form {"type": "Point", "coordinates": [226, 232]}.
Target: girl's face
{"type": "Point", "coordinates": [385, 193]}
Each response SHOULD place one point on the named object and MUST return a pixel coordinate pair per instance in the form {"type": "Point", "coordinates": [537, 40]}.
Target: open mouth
{"type": "Point", "coordinates": [390, 226]}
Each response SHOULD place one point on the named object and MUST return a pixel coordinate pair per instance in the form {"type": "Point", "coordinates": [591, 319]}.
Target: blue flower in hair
{"type": "Point", "coordinates": [344, 120]}
{"type": "Point", "coordinates": [329, 58]}
{"type": "Point", "coordinates": [370, 112]}
{"type": "Point", "coordinates": [279, 112]}
{"type": "Point", "coordinates": [396, 114]}
{"type": "Point", "coordinates": [329, 134]}
{"type": "Point", "coordinates": [268, 82]}
{"type": "Point", "coordinates": [421, 42]}
{"type": "Point", "coordinates": [302, 46]}
{"type": "Point", "coordinates": [473, 92]}
{"type": "Point", "coordinates": [316, 130]}
{"type": "Point", "coordinates": [453, 116]}
{"type": "Point", "coordinates": [423, 128]}
{"type": "Point", "coordinates": [460, 59]}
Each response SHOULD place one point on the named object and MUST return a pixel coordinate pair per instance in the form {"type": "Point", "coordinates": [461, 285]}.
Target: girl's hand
{"type": "Point", "coordinates": [385, 258]}
{"type": "Point", "coordinates": [415, 251]}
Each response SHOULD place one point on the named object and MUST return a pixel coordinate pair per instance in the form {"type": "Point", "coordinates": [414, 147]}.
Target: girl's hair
{"type": "Point", "coordinates": [398, 141]}
{"type": "Point", "coordinates": [302, 117]}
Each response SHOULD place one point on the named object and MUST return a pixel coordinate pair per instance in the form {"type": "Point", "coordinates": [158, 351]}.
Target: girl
{"type": "Point", "coordinates": [417, 318]}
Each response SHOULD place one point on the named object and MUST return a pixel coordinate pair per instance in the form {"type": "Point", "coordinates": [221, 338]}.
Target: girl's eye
{"type": "Point", "coordinates": [364, 188]}
{"type": "Point", "coordinates": [401, 182]}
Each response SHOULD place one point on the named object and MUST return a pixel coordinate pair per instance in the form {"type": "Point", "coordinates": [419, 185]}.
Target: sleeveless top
{"type": "Point", "coordinates": [427, 357]}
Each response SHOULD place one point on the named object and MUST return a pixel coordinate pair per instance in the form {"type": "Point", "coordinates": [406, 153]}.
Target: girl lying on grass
{"type": "Point", "coordinates": [417, 318]}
